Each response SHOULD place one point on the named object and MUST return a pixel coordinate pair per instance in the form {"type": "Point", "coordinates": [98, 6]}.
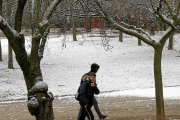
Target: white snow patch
{"type": "Point", "coordinates": [127, 68]}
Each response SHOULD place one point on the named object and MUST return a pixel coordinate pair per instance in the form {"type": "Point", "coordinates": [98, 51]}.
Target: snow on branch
{"type": "Point", "coordinates": [42, 44]}
{"type": "Point", "coordinates": [161, 16]}
{"type": "Point", "coordinates": [6, 28]}
{"type": "Point", "coordinates": [137, 29]}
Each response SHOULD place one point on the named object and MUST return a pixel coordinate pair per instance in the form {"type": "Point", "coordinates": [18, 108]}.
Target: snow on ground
{"type": "Point", "coordinates": [124, 70]}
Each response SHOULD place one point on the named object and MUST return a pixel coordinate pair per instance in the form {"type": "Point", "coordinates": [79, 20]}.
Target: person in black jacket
{"type": "Point", "coordinates": [94, 68]}
{"type": "Point", "coordinates": [86, 91]}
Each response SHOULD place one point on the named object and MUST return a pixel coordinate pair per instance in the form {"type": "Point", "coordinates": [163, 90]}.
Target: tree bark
{"type": "Point", "coordinates": [160, 114]}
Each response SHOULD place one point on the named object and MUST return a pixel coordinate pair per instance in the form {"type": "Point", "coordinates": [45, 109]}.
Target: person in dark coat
{"type": "Point", "coordinates": [87, 90]}
{"type": "Point", "coordinates": [94, 68]}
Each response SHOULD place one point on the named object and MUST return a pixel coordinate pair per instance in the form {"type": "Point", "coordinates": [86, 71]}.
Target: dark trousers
{"type": "Point", "coordinates": [85, 111]}
{"type": "Point", "coordinates": [96, 107]}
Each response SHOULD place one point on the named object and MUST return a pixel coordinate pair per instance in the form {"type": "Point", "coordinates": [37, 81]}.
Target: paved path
{"type": "Point", "coordinates": [117, 108]}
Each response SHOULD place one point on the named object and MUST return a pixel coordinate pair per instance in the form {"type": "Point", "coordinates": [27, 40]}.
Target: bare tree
{"type": "Point", "coordinates": [158, 45]}
{"type": "Point", "coordinates": [39, 100]}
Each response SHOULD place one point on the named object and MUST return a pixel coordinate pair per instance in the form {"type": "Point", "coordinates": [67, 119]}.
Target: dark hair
{"type": "Point", "coordinates": [94, 67]}
{"type": "Point", "coordinates": [92, 74]}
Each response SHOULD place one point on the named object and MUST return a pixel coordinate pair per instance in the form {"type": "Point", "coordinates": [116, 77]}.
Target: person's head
{"type": "Point", "coordinates": [94, 67]}
{"type": "Point", "coordinates": [92, 76]}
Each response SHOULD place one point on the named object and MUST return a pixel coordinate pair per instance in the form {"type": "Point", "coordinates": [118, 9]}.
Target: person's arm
{"type": "Point", "coordinates": [95, 89]}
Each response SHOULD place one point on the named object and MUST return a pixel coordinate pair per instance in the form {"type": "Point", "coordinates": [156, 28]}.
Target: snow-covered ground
{"type": "Point", "coordinates": [126, 69]}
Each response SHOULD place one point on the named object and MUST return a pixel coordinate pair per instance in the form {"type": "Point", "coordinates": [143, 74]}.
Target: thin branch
{"type": "Point", "coordinates": [168, 7]}
{"type": "Point", "coordinates": [178, 9]}
{"type": "Point", "coordinates": [42, 44]}
{"type": "Point", "coordinates": [137, 29]}
{"type": "Point", "coordinates": [123, 29]}
{"type": "Point", "coordinates": [162, 17]}
{"type": "Point", "coordinates": [45, 22]}
{"type": "Point", "coordinates": [166, 20]}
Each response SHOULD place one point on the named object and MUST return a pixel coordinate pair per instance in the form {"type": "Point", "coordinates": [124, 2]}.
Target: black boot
{"type": "Point", "coordinates": [102, 116]}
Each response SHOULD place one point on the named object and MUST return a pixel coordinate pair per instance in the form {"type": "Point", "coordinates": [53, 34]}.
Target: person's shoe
{"type": "Point", "coordinates": [103, 116]}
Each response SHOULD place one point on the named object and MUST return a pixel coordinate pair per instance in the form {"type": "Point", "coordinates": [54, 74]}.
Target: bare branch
{"type": "Point", "coordinates": [6, 28]}
{"type": "Point", "coordinates": [123, 29]}
{"type": "Point", "coordinates": [166, 36]}
{"type": "Point", "coordinates": [162, 17]}
{"type": "Point", "coordinates": [17, 42]}
{"type": "Point", "coordinates": [19, 14]}
{"type": "Point", "coordinates": [42, 44]}
{"type": "Point", "coordinates": [168, 7]}
{"type": "Point", "coordinates": [44, 23]}
{"type": "Point", "coordinates": [137, 29]}
{"type": "Point", "coordinates": [178, 9]}
{"type": "Point", "coordinates": [166, 20]}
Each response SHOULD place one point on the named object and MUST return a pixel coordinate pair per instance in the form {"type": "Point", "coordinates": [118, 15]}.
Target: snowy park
{"type": "Point", "coordinates": [59, 59]}
{"type": "Point", "coordinates": [126, 69]}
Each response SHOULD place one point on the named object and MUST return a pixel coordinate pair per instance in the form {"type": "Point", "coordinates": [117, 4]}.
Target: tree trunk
{"type": "Point", "coordinates": [10, 57]}
{"type": "Point", "coordinates": [0, 39]}
{"type": "Point", "coordinates": [152, 30]}
{"type": "Point", "coordinates": [39, 100]}
{"type": "Point", "coordinates": [0, 51]}
{"type": "Point", "coordinates": [170, 45]}
{"type": "Point", "coordinates": [139, 24]}
{"type": "Point", "coordinates": [10, 51]}
{"type": "Point", "coordinates": [74, 29]}
{"type": "Point", "coordinates": [160, 114]}
{"type": "Point", "coordinates": [139, 42]}
{"type": "Point", "coordinates": [120, 36]}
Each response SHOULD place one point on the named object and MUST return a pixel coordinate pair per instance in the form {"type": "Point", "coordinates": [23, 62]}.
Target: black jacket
{"type": "Point", "coordinates": [87, 92]}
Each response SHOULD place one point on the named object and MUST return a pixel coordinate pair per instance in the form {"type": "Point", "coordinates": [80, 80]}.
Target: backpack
{"type": "Point", "coordinates": [77, 95]}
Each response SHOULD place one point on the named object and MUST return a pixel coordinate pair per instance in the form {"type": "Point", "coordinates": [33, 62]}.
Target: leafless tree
{"type": "Point", "coordinates": [173, 21]}
{"type": "Point", "coordinates": [39, 100]}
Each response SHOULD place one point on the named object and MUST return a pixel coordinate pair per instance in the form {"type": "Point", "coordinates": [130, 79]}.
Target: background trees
{"type": "Point", "coordinates": [39, 100]}
{"type": "Point", "coordinates": [172, 21]}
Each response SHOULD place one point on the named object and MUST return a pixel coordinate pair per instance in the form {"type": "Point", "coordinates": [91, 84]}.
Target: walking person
{"type": "Point", "coordinates": [94, 68]}
{"type": "Point", "coordinates": [86, 91]}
